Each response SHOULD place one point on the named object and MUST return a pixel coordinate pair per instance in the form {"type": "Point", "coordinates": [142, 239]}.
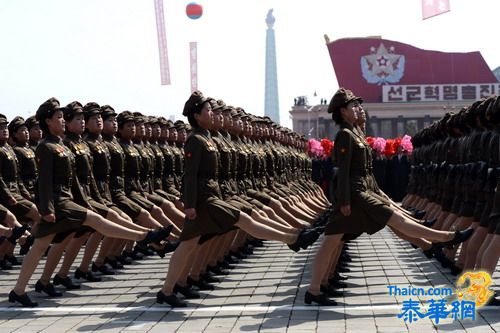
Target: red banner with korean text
{"type": "Point", "coordinates": [366, 65]}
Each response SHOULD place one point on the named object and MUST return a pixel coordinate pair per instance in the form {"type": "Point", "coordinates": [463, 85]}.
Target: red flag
{"type": "Point", "coordinates": [356, 65]}
{"type": "Point", "coordinates": [432, 8]}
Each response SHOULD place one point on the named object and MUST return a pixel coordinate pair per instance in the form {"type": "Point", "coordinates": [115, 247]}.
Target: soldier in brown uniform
{"type": "Point", "coordinates": [168, 136]}
{"type": "Point", "coordinates": [14, 197]}
{"type": "Point", "coordinates": [294, 195]}
{"type": "Point", "coordinates": [486, 256]}
{"type": "Point", "coordinates": [157, 144]}
{"type": "Point", "coordinates": [35, 132]}
{"type": "Point", "coordinates": [111, 248]}
{"type": "Point", "coordinates": [147, 170]}
{"type": "Point", "coordinates": [206, 212]}
{"type": "Point", "coordinates": [211, 254]}
{"type": "Point", "coordinates": [76, 118]}
{"type": "Point", "coordinates": [10, 231]}
{"type": "Point", "coordinates": [241, 132]}
{"type": "Point", "coordinates": [132, 170]}
{"type": "Point", "coordinates": [13, 194]}
{"type": "Point", "coordinates": [25, 155]}
{"type": "Point", "coordinates": [57, 188]}
{"type": "Point", "coordinates": [116, 185]}
{"type": "Point", "coordinates": [177, 148]}
{"type": "Point", "coordinates": [357, 209]}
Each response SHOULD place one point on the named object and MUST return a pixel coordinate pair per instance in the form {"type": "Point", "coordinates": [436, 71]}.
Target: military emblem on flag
{"type": "Point", "coordinates": [382, 66]}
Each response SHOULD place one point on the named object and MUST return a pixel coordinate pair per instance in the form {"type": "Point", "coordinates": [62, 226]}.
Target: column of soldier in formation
{"type": "Point", "coordinates": [455, 183]}
{"type": "Point", "coordinates": [82, 177]}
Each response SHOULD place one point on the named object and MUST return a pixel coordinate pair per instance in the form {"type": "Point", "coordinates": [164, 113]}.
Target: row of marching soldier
{"type": "Point", "coordinates": [123, 186]}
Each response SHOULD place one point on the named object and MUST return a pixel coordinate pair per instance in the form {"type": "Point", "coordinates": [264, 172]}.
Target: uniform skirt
{"type": "Point", "coordinates": [3, 213]}
{"type": "Point", "coordinates": [254, 202]}
{"type": "Point", "coordinates": [260, 196]}
{"type": "Point", "coordinates": [157, 199]}
{"type": "Point", "coordinates": [213, 217]}
{"type": "Point", "coordinates": [69, 217]}
{"type": "Point", "coordinates": [141, 201]}
{"type": "Point", "coordinates": [489, 211]}
{"type": "Point", "coordinates": [167, 196]}
{"type": "Point", "coordinates": [21, 207]}
{"type": "Point", "coordinates": [126, 205]}
{"type": "Point", "coordinates": [240, 204]}
{"type": "Point", "coordinates": [368, 214]}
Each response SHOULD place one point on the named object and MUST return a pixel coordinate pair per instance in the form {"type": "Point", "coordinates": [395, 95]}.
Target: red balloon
{"type": "Point", "coordinates": [194, 10]}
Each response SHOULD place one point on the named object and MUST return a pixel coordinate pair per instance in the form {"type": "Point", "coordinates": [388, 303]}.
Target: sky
{"type": "Point", "coordinates": [106, 50]}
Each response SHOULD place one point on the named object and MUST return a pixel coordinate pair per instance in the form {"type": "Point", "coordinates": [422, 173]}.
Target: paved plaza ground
{"type": "Point", "coordinates": [264, 293]}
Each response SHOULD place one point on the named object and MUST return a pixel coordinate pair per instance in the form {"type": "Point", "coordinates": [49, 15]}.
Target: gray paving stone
{"type": "Point", "coordinates": [271, 279]}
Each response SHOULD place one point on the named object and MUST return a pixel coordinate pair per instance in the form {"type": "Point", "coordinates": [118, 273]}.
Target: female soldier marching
{"type": "Point", "coordinates": [206, 212]}
{"type": "Point", "coordinates": [357, 208]}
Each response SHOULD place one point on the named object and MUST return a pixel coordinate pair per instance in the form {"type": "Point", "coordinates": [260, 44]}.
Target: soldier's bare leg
{"type": "Point", "coordinates": [179, 204]}
{"type": "Point", "coordinates": [491, 254]}
{"type": "Point", "coordinates": [460, 224]}
{"type": "Point", "coordinates": [93, 243]}
{"type": "Point", "coordinates": [332, 264]}
{"type": "Point", "coordinates": [146, 220]}
{"type": "Point", "coordinates": [178, 263]}
{"type": "Point", "coordinates": [218, 250]}
{"type": "Point", "coordinates": [124, 222]}
{"type": "Point", "coordinates": [448, 222]}
{"type": "Point", "coordinates": [297, 213]}
{"type": "Point", "coordinates": [270, 223]}
{"type": "Point", "coordinates": [273, 216]}
{"type": "Point", "coordinates": [475, 242]}
{"type": "Point", "coordinates": [111, 229]}
{"type": "Point", "coordinates": [72, 251]}
{"type": "Point", "coordinates": [175, 215]}
{"type": "Point", "coordinates": [11, 221]}
{"type": "Point", "coordinates": [239, 240]}
{"type": "Point", "coordinates": [420, 242]}
{"type": "Point", "coordinates": [440, 221]}
{"type": "Point", "coordinates": [323, 258]}
{"type": "Point", "coordinates": [53, 258]}
{"type": "Point", "coordinates": [300, 205]}
{"type": "Point", "coordinates": [258, 230]}
{"type": "Point", "coordinates": [33, 214]}
{"type": "Point", "coordinates": [182, 280]}
{"type": "Point", "coordinates": [31, 261]}
{"type": "Point", "coordinates": [159, 216]}
{"type": "Point", "coordinates": [284, 214]}
{"type": "Point", "coordinates": [417, 230]}
{"type": "Point", "coordinates": [482, 251]}
{"type": "Point", "coordinates": [201, 258]}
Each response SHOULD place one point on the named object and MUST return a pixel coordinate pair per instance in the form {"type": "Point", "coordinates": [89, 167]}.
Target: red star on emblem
{"type": "Point", "coordinates": [382, 61]}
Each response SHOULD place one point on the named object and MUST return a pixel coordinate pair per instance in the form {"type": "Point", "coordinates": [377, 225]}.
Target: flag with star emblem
{"type": "Point", "coordinates": [383, 65]}
{"type": "Point", "coordinates": [432, 8]}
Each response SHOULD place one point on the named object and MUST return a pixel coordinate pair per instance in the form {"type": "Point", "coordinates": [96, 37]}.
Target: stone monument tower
{"type": "Point", "coordinates": [271, 107]}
